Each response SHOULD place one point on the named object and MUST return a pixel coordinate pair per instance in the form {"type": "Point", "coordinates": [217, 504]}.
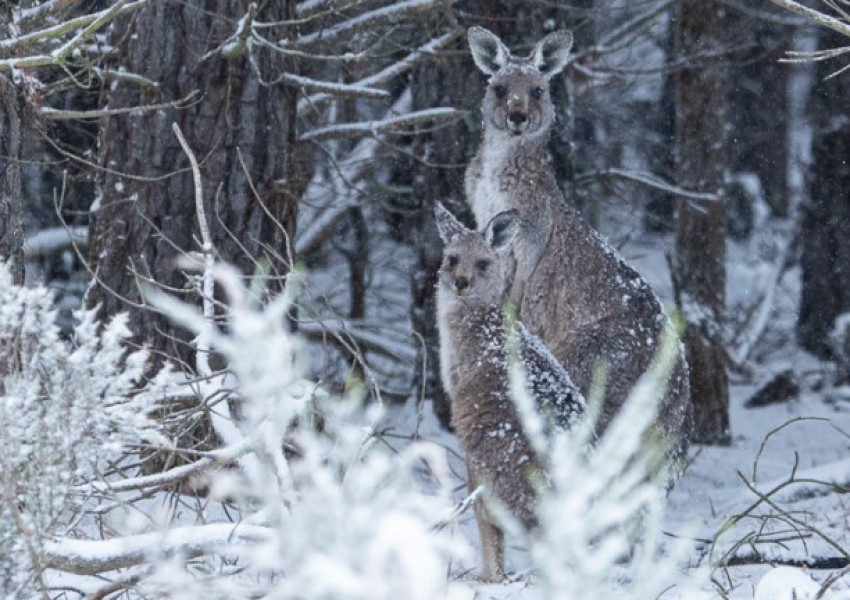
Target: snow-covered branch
{"type": "Point", "coordinates": [376, 19]}
{"type": "Point", "coordinates": [329, 87]}
{"type": "Point", "coordinates": [92, 557]}
{"type": "Point", "coordinates": [815, 16]}
{"type": "Point", "coordinates": [388, 73]}
{"type": "Point", "coordinates": [87, 25]}
{"type": "Point", "coordinates": [211, 459]}
{"type": "Point", "coordinates": [43, 9]}
{"type": "Point", "coordinates": [399, 124]}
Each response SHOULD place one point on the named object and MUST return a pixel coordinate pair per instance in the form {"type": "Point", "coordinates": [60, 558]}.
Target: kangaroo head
{"type": "Point", "coordinates": [474, 266]}
{"type": "Point", "coordinates": [517, 100]}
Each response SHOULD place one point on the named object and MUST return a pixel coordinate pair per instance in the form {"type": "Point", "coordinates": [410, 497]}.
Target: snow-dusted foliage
{"type": "Point", "coordinates": [601, 512]}
{"type": "Point", "coordinates": [64, 405]}
{"type": "Point", "coordinates": [330, 511]}
{"type": "Point", "coordinates": [304, 500]}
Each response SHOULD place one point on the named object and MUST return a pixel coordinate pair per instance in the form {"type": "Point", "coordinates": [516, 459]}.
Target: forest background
{"type": "Point", "coordinates": [325, 130]}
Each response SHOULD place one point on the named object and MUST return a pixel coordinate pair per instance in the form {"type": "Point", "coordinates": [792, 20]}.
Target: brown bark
{"type": "Point", "coordinates": [825, 244]}
{"type": "Point", "coordinates": [700, 261]}
{"type": "Point", "coordinates": [11, 209]}
{"type": "Point", "coordinates": [143, 225]}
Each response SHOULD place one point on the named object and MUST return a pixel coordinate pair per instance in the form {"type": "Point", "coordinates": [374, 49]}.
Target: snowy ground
{"type": "Point", "coordinates": [807, 438]}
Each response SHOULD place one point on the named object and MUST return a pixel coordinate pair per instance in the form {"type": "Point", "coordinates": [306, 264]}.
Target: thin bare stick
{"type": "Point", "coordinates": [831, 580]}
{"type": "Point", "coordinates": [202, 352]}
{"type": "Point", "coordinates": [55, 114]}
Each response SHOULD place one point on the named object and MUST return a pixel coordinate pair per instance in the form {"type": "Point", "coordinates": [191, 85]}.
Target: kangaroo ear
{"type": "Point", "coordinates": [488, 51]}
{"type": "Point", "coordinates": [448, 226]}
{"type": "Point", "coordinates": [551, 54]}
{"type": "Point", "coordinates": [502, 229]}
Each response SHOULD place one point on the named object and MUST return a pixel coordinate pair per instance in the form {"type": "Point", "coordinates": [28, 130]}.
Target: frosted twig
{"type": "Point", "coordinates": [651, 180]}
{"type": "Point", "coordinates": [117, 75]}
{"type": "Point", "coordinates": [390, 72]}
{"type": "Point", "coordinates": [64, 27]}
{"type": "Point", "coordinates": [461, 508]}
{"type": "Point", "coordinates": [310, 8]}
{"type": "Point", "coordinates": [816, 16]}
{"type": "Point", "coordinates": [371, 20]}
{"type": "Point", "coordinates": [46, 8]}
{"type": "Point", "coordinates": [90, 24]}
{"type": "Point", "coordinates": [55, 114]}
{"type": "Point", "coordinates": [766, 498]}
{"type": "Point", "coordinates": [831, 580]}
{"type": "Point", "coordinates": [101, 19]}
{"type": "Point", "coordinates": [329, 87]}
{"type": "Point", "coordinates": [238, 43]}
{"type": "Point", "coordinates": [171, 476]}
{"type": "Point", "coordinates": [400, 124]}
{"type": "Point", "coordinates": [202, 350]}
{"type": "Point", "coordinates": [797, 56]}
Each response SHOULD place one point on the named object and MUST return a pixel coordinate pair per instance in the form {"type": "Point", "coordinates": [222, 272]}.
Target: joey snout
{"type": "Point", "coordinates": [461, 284]}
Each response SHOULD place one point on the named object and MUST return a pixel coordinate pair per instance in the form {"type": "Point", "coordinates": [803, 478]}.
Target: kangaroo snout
{"type": "Point", "coordinates": [461, 284]}
{"type": "Point", "coordinates": [517, 118]}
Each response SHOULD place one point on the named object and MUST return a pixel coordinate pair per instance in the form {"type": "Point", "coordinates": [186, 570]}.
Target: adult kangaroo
{"type": "Point", "coordinates": [571, 289]}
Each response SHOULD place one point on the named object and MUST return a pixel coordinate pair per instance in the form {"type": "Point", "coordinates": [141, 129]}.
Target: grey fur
{"type": "Point", "coordinates": [571, 289]}
{"type": "Point", "coordinates": [474, 350]}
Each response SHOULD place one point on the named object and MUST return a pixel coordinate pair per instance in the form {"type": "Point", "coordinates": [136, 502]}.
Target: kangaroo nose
{"type": "Point", "coordinates": [517, 117]}
{"type": "Point", "coordinates": [461, 283]}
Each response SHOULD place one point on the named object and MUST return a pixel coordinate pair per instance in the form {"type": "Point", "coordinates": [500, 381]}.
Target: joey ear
{"type": "Point", "coordinates": [552, 53]}
{"type": "Point", "coordinates": [488, 51]}
{"type": "Point", "coordinates": [448, 226]}
{"type": "Point", "coordinates": [502, 229]}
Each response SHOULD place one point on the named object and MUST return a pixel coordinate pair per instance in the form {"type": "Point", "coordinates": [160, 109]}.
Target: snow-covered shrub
{"type": "Point", "coordinates": [63, 407]}
{"type": "Point", "coordinates": [344, 516]}
{"type": "Point", "coordinates": [602, 508]}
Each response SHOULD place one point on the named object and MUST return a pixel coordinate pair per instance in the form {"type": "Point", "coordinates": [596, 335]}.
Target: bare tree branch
{"type": "Point", "coordinates": [814, 15]}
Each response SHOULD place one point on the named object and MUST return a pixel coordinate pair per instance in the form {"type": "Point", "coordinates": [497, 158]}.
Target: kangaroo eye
{"type": "Point", "coordinates": [500, 91]}
{"type": "Point", "coordinates": [536, 93]}
{"type": "Point", "coordinates": [482, 265]}
{"type": "Point", "coordinates": [451, 261]}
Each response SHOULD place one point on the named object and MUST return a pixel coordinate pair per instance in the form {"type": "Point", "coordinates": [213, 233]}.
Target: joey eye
{"type": "Point", "coordinates": [536, 93]}
{"type": "Point", "coordinates": [482, 265]}
{"type": "Point", "coordinates": [451, 261]}
{"type": "Point", "coordinates": [500, 91]}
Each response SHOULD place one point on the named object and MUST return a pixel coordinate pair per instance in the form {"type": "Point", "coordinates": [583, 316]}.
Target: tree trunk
{"type": "Point", "coordinates": [11, 209]}
{"type": "Point", "coordinates": [825, 259]}
{"type": "Point", "coordinates": [660, 212]}
{"type": "Point", "coordinates": [760, 141]}
{"type": "Point", "coordinates": [241, 129]}
{"type": "Point", "coordinates": [699, 266]}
